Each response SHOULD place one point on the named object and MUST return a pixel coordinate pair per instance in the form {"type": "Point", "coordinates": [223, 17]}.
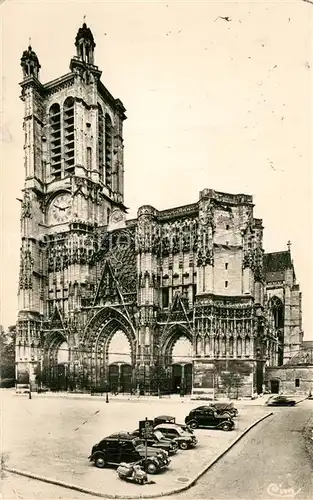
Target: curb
{"type": "Point", "coordinates": [154, 495]}
{"type": "Point", "coordinates": [301, 400]}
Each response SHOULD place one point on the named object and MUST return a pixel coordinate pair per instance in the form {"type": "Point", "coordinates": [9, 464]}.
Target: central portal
{"type": "Point", "coordinates": [182, 366]}
{"type": "Point", "coordinates": [119, 360]}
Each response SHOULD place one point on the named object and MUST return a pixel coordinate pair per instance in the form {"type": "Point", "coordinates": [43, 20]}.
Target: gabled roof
{"type": "Point", "coordinates": [277, 261]}
{"type": "Point", "coordinates": [303, 357]}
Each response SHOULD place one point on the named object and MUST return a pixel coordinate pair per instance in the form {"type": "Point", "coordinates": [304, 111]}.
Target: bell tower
{"type": "Point", "coordinates": [85, 44]}
{"type": "Point", "coordinates": [74, 181]}
{"type": "Point", "coordinates": [30, 63]}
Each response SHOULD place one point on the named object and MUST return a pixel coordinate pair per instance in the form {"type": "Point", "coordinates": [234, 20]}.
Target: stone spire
{"type": "Point", "coordinates": [85, 44]}
{"type": "Point", "coordinates": [30, 63]}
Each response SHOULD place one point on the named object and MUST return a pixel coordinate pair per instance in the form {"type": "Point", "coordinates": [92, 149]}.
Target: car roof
{"type": "Point", "coordinates": [120, 435]}
{"type": "Point", "coordinates": [167, 426]}
{"type": "Point", "coordinates": [166, 417]}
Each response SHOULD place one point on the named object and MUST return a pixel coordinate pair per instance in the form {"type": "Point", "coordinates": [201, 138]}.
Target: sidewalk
{"type": "Point", "coordinates": [76, 473]}
{"type": "Point", "coordinates": [173, 398]}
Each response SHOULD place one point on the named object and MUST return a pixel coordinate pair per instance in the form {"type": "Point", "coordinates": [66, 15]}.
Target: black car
{"type": "Point", "coordinates": [158, 440]}
{"type": "Point", "coordinates": [226, 409]}
{"type": "Point", "coordinates": [123, 447]}
{"type": "Point", "coordinates": [168, 419]}
{"type": "Point", "coordinates": [205, 416]}
{"type": "Point", "coordinates": [281, 401]}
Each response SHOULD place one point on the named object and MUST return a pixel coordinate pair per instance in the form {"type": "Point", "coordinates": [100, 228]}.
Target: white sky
{"type": "Point", "coordinates": [210, 103]}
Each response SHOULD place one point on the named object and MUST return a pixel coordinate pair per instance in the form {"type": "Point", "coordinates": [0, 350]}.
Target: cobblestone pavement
{"type": "Point", "coordinates": [52, 437]}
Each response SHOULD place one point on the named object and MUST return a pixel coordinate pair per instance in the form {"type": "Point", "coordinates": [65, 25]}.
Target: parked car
{"type": "Point", "coordinates": [226, 409]}
{"type": "Point", "coordinates": [158, 440]}
{"type": "Point", "coordinates": [172, 431]}
{"type": "Point", "coordinates": [168, 419]}
{"type": "Point", "coordinates": [222, 408]}
{"type": "Point", "coordinates": [207, 417]}
{"type": "Point", "coordinates": [123, 447]}
{"type": "Point", "coordinates": [7, 383]}
{"type": "Point", "coordinates": [281, 401]}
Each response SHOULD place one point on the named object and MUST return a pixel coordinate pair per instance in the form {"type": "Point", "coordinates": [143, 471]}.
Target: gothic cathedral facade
{"type": "Point", "coordinates": [175, 299]}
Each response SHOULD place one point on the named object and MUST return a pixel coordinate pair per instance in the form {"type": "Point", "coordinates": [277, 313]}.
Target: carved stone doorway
{"type": "Point", "coordinates": [181, 378]}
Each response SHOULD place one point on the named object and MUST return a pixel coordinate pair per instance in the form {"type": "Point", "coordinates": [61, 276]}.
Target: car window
{"type": "Point", "coordinates": [127, 445]}
{"type": "Point", "coordinates": [111, 445]}
{"type": "Point", "coordinates": [158, 434]}
{"type": "Point", "coordinates": [179, 431]}
{"type": "Point", "coordinates": [137, 442]}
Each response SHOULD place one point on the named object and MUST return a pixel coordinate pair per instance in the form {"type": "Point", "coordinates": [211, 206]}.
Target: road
{"type": "Point", "coordinates": [269, 462]}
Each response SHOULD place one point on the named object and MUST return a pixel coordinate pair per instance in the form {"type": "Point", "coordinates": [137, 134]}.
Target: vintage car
{"type": "Point", "coordinates": [207, 417]}
{"type": "Point", "coordinates": [173, 431]}
{"type": "Point", "coordinates": [158, 440]}
{"type": "Point", "coordinates": [226, 409]}
{"type": "Point", "coordinates": [222, 408]}
{"type": "Point", "coordinates": [123, 447]}
{"type": "Point", "coordinates": [280, 401]}
{"type": "Point", "coordinates": [168, 419]}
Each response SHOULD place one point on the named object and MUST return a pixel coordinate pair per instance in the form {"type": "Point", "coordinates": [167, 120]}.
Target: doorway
{"type": "Point", "coordinates": [181, 378]}
{"type": "Point", "coordinates": [259, 376]}
{"type": "Point", "coordinates": [274, 386]}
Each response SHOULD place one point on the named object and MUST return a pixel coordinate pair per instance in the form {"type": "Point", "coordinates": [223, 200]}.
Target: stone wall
{"type": "Point", "coordinates": [287, 377]}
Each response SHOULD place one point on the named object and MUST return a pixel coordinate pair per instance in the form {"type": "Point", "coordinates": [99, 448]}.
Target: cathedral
{"type": "Point", "coordinates": [177, 300]}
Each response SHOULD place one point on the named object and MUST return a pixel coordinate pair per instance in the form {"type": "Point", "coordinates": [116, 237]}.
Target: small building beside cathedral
{"type": "Point", "coordinates": [182, 299]}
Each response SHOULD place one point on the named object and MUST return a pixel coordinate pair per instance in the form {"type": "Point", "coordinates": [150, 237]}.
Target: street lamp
{"type": "Point", "coordinates": [29, 380]}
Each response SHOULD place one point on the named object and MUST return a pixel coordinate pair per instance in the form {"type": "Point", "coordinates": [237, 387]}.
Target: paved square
{"type": "Point", "coordinates": [52, 437]}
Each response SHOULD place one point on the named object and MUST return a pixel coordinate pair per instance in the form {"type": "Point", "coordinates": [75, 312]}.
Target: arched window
{"type": "Point", "coordinates": [277, 310]}
{"type": "Point", "coordinates": [216, 346]}
{"type": "Point", "coordinates": [55, 140]}
{"type": "Point", "coordinates": [239, 346]}
{"type": "Point", "coordinates": [207, 350]}
{"type": "Point", "coordinates": [69, 143]}
{"type": "Point", "coordinates": [223, 346]}
{"type": "Point", "coordinates": [247, 346]}
{"type": "Point", "coordinates": [63, 353]}
{"type": "Point", "coordinates": [199, 345]}
{"type": "Point", "coordinates": [108, 150]}
{"type": "Point", "coordinates": [119, 349]}
{"type": "Point", "coordinates": [231, 346]}
{"type": "Point", "coordinates": [182, 350]}
{"type": "Point", "coordinates": [100, 141]}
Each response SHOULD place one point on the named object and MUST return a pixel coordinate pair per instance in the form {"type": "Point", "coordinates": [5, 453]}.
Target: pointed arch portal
{"type": "Point", "coordinates": [177, 351]}
{"type": "Point", "coordinates": [56, 361]}
{"type": "Point", "coordinates": [109, 350]}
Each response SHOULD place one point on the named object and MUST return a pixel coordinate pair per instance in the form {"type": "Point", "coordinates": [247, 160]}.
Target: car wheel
{"type": "Point", "coordinates": [226, 426]}
{"type": "Point", "coordinates": [151, 468]}
{"type": "Point", "coordinates": [183, 445]}
{"type": "Point", "coordinates": [100, 462]}
{"type": "Point", "coordinates": [193, 424]}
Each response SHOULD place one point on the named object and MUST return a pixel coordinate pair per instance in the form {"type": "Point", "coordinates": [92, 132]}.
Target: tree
{"type": "Point", "coordinates": [232, 374]}
{"type": "Point", "coordinates": [159, 382]}
{"type": "Point", "coordinates": [230, 381]}
{"type": "Point", "coordinates": [7, 353]}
